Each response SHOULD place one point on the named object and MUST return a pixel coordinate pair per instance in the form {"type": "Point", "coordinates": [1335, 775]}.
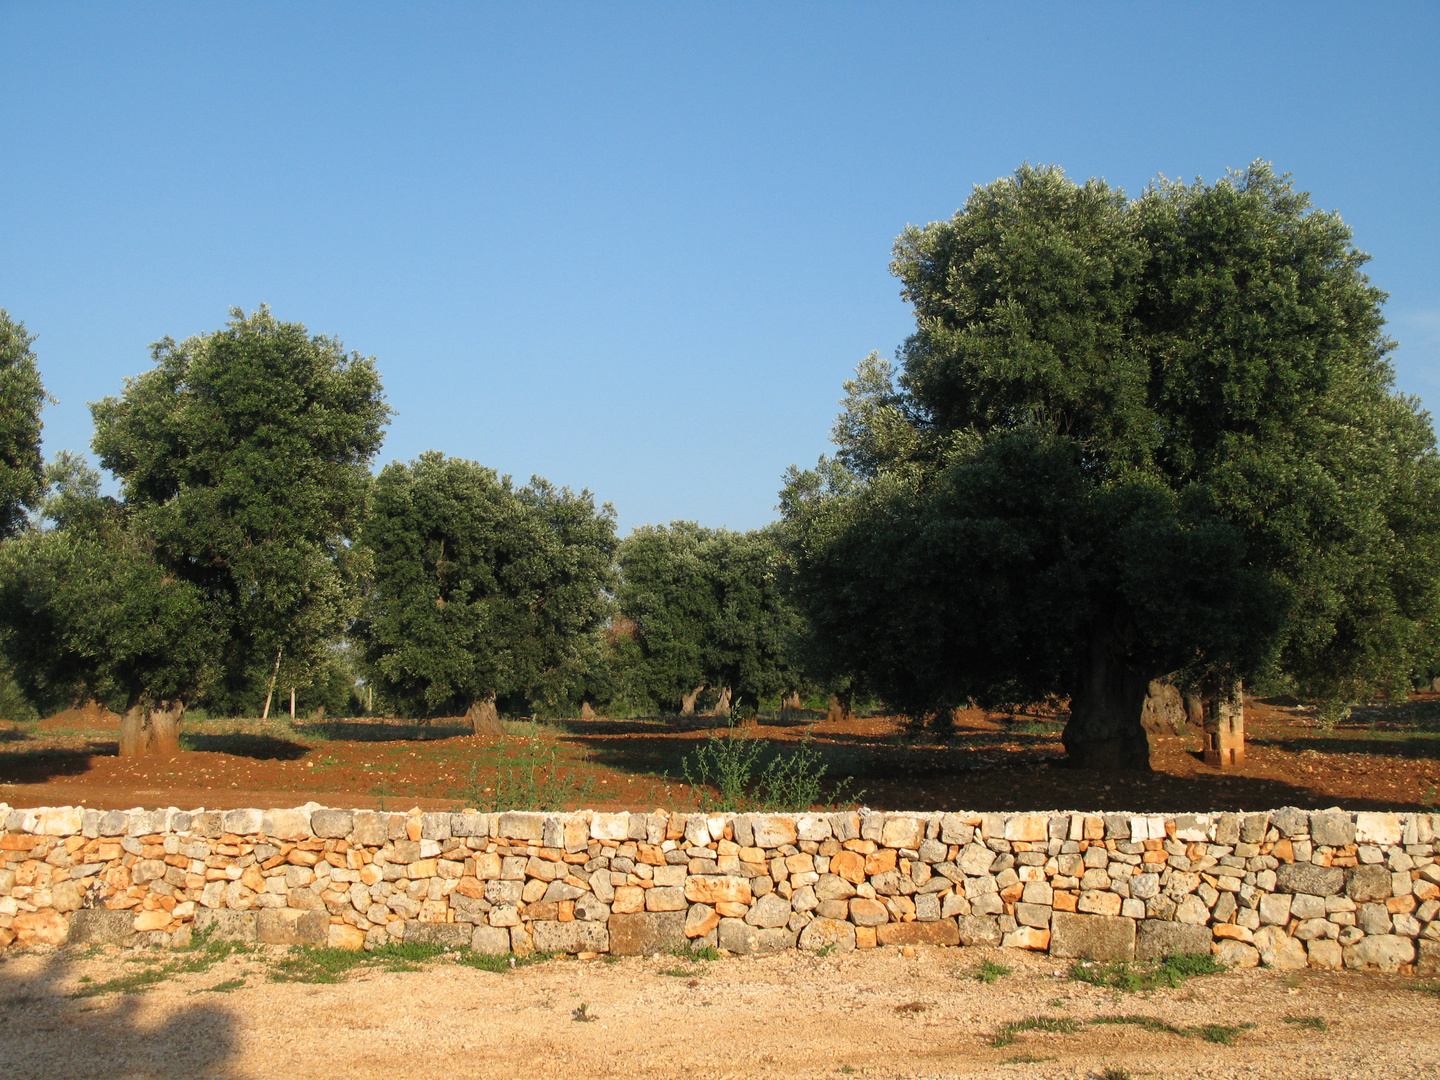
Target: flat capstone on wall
{"type": "Point", "coordinates": [1288, 888]}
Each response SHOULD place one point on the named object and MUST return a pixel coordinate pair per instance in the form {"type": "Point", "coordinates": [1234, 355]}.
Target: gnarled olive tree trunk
{"type": "Point", "coordinates": [687, 701]}
{"type": "Point", "coordinates": [151, 730]}
{"type": "Point", "coordinates": [722, 703]}
{"type": "Point", "coordinates": [839, 708]}
{"type": "Point", "coordinates": [1105, 732]}
{"type": "Point", "coordinates": [485, 718]}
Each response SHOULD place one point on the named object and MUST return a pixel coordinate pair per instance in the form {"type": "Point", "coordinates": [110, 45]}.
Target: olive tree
{"type": "Point", "coordinates": [1127, 438]}
{"type": "Point", "coordinates": [243, 459]}
{"type": "Point", "coordinates": [481, 590]}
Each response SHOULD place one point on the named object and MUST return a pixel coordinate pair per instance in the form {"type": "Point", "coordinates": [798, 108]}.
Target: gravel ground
{"type": "Point", "coordinates": [878, 1013]}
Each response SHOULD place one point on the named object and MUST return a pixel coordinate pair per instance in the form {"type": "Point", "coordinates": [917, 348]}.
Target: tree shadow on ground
{"type": "Point", "coordinates": [1419, 748]}
{"type": "Point", "coordinates": [48, 1032]}
{"type": "Point", "coordinates": [241, 744]}
{"type": "Point", "coordinates": [37, 766]}
{"type": "Point", "coordinates": [384, 730]}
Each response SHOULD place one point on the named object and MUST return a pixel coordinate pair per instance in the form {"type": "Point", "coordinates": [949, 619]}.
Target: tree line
{"type": "Point", "coordinates": [1129, 438]}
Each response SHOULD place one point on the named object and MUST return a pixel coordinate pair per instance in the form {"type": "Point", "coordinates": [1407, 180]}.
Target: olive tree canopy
{"type": "Point", "coordinates": [1128, 437]}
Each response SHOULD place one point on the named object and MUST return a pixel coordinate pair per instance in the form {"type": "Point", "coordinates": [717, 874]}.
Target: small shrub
{"type": "Point", "coordinates": [731, 764]}
{"type": "Point", "coordinates": [1149, 1023]}
{"type": "Point", "coordinates": [1314, 1023]}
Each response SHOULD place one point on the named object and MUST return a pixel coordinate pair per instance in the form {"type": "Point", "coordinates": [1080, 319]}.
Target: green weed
{"type": "Point", "coordinates": [1115, 1072]}
{"type": "Point", "coordinates": [323, 964]}
{"type": "Point", "coordinates": [199, 956]}
{"type": "Point", "coordinates": [988, 971]}
{"type": "Point", "coordinates": [225, 987]}
{"type": "Point", "coordinates": [528, 776]}
{"type": "Point", "coordinates": [1010, 1032]}
{"type": "Point", "coordinates": [1149, 1023]}
{"type": "Point", "coordinates": [736, 767]}
{"type": "Point", "coordinates": [691, 951]}
{"type": "Point", "coordinates": [1314, 1023]}
{"type": "Point", "coordinates": [1224, 1034]}
{"type": "Point", "coordinates": [1027, 1059]}
{"type": "Point", "coordinates": [1122, 975]}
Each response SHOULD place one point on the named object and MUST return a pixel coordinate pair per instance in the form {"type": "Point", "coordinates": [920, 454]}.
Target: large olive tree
{"type": "Point", "coordinates": [243, 458]}
{"type": "Point", "coordinates": [1128, 437]}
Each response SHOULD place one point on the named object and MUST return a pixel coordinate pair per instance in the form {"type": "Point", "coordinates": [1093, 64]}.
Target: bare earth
{"type": "Point", "coordinates": [878, 1013]}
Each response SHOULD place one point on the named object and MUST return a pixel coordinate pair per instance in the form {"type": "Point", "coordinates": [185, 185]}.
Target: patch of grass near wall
{"type": "Point", "coordinates": [1133, 977]}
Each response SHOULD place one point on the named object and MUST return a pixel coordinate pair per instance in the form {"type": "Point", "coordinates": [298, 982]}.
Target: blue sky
{"type": "Point", "coordinates": [635, 247]}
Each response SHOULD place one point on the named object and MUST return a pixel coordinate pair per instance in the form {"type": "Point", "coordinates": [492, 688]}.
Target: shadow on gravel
{"type": "Point", "coordinates": [37, 766]}
{"type": "Point", "coordinates": [240, 744]}
{"type": "Point", "coordinates": [46, 1032]}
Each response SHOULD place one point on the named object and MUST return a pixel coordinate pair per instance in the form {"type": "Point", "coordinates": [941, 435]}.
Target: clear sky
{"type": "Point", "coordinates": [637, 247]}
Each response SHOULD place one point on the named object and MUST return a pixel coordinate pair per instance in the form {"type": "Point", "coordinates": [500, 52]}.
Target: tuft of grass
{"type": "Point", "coordinates": [583, 1013]}
{"type": "Point", "coordinates": [323, 964]}
{"type": "Point", "coordinates": [1027, 1059]}
{"type": "Point", "coordinates": [200, 955]}
{"type": "Point", "coordinates": [1314, 1023]}
{"type": "Point", "coordinates": [691, 951]}
{"type": "Point", "coordinates": [1010, 1032]}
{"type": "Point", "coordinates": [1149, 1023]}
{"type": "Point", "coordinates": [1224, 1034]}
{"type": "Point", "coordinates": [224, 987]}
{"type": "Point", "coordinates": [988, 971]}
{"type": "Point", "coordinates": [499, 963]}
{"type": "Point", "coordinates": [1123, 975]}
{"type": "Point", "coordinates": [1115, 1072]}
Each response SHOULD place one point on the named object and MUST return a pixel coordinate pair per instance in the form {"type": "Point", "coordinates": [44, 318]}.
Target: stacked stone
{"type": "Point", "coordinates": [1287, 888]}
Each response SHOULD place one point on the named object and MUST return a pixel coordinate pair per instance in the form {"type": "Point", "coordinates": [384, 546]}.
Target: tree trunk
{"type": "Point", "coordinates": [1105, 731]}
{"type": "Point", "coordinates": [152, 731]}
{"type": "Point", "coordinates": [586, 712]}
{"type": "Point", "coordinates": [484, 718]}
{"type": "Point", "coordinates": [791, 703]}
{"type": "Point", "coordinates": [1194, 709]}
{"type": "Point", "coordinates": [1225, 724]}
{"type": "Point", "coordinates": [839, 708]}
{"type": "Point", "coordinates": [292, 703]}
{"type": "Point", "coordinates": [687, 701]}
{"type": "Point", "coordinates": [1164, 711]}
{"type": "Point", "coordinates": [722, 704]}
{"type": "Point", "coordinates": [269, 693]}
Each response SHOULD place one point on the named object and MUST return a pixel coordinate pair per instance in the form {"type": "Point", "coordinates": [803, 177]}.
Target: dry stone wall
{"type": "Point", "coordinates": [1288, 888]}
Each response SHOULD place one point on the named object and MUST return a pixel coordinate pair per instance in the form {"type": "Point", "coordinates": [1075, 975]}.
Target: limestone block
{"type": "Point", "coordinates": [1027, 937]}
{"type": "Point", "coordinates": [1093, 937]}
{"type": "Point", "coordinates": [1383, 829]}
{"type": "Point", "coordinates": [1309, 878]}
{"type": "Point", "coordinates": [822, 933]}
{"type": "Point", "coordinates": [665, 899]}
{"type": "Point", "coordinates": [1379, 952]}
{"type": "Point", "coordinates": [1369, 883]}
{"type": "Point", "coordinates": [100, 926]}
{"type": "Point", "coordinates": [1332, 829]}
{"type": "Point", "coordinates": [1156, 939]}
{"type": "Point", "coordinates": [1324, 954]}
{"type": "Point", "coordinates": [1278, 950]}
{"type": "Point", "coordinates": [769, 911]}
{"type": "Point", "coordinates": [1237, 954]}
{"type": "Point", "coordinates": [941, 932]}
{"type": "Point", "coordinates": [291, 926]}
{"type": "Point", "coordinates": [773, 830]}
{"type": "Point", "coordinates": [242, 822]}
{"type": "Point", "coordinates": [455, 935]}
{"type": "Point", "coordinates": [227, 925]}
{"type": "Point", "coordinates": [865, 912]}
{"type": "Point", "coordinates": [1275, 908]}
{"type": "Point", "coordinates": [902, 832]}
{"type": "Point", "coordinates": [286, 824]}
{"type": "Point", "coordinates": [745, 940]}
{"type": "Point", "coordinates": [524, 825]}
{"type": "Point", "coordinates": [646, 932]}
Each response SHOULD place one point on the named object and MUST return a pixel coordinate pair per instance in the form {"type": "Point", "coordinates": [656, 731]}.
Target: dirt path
{"type": "Point", "coordinates": [875, 1014]}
